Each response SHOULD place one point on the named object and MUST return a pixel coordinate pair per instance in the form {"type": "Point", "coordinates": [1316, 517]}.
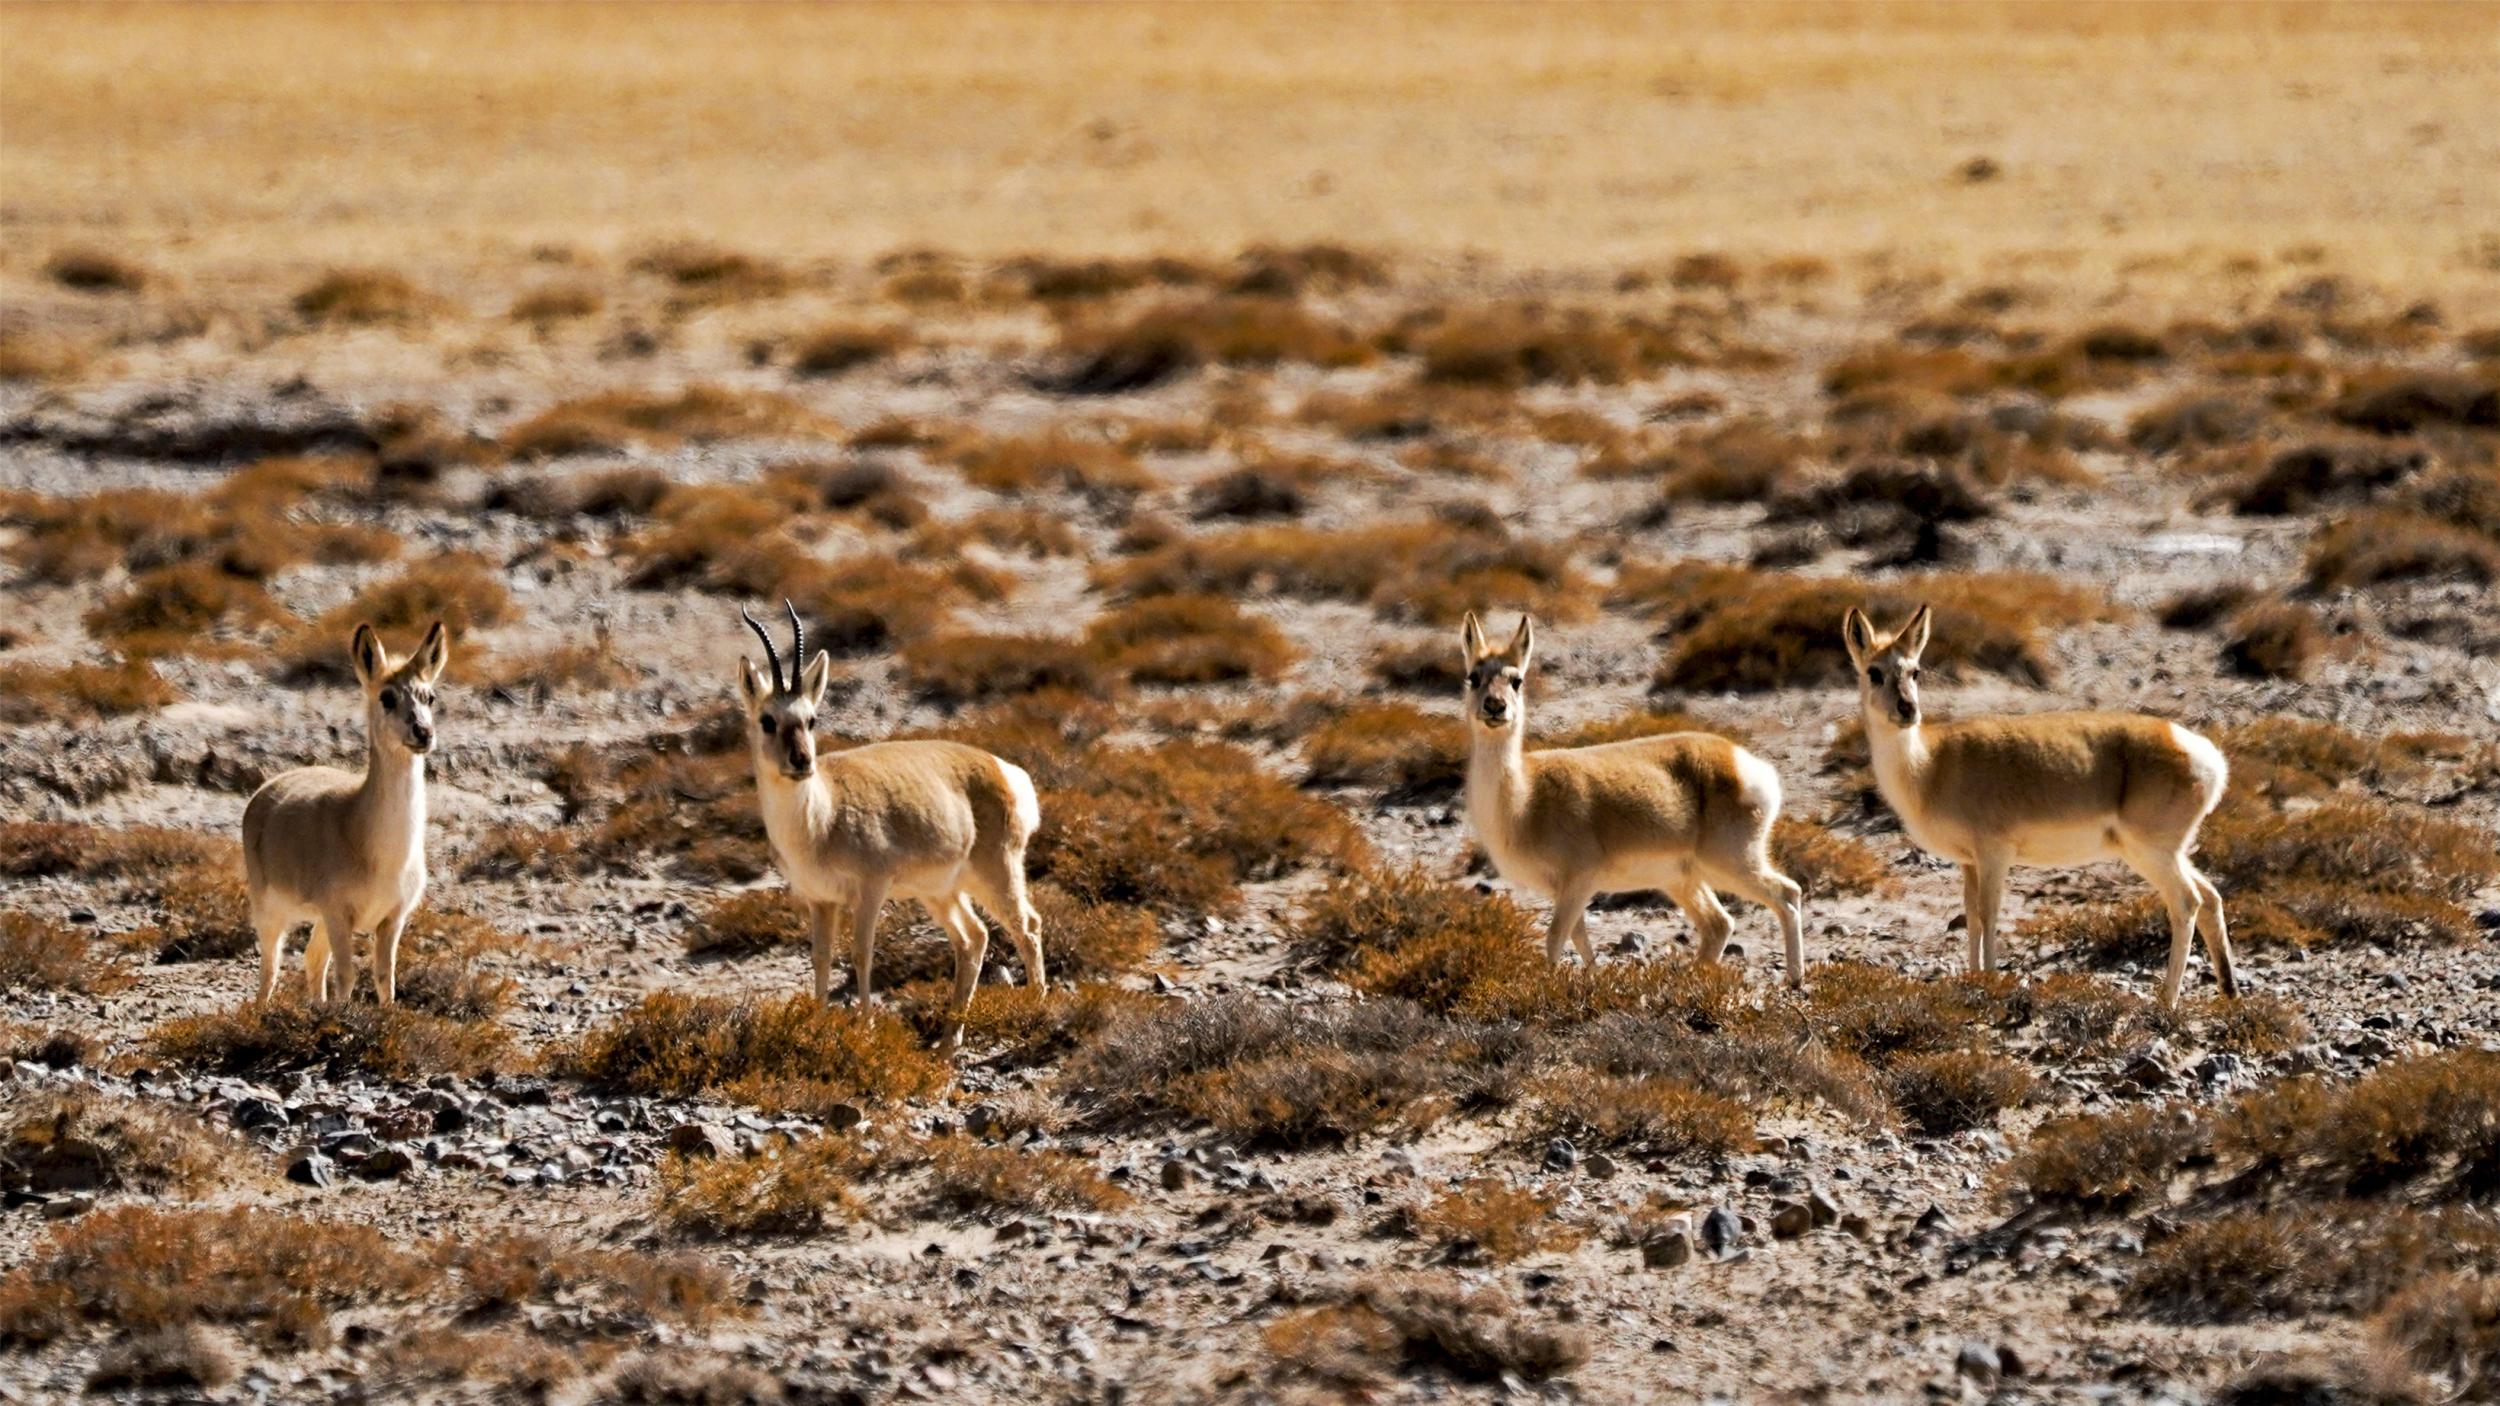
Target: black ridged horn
{"type": "Point", "coordinates": [769, 652]}
{"type": "Point", "coordinates": [798, 643]}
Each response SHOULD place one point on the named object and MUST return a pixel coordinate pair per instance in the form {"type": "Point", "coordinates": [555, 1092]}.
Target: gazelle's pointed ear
{"type": "Point", "coordinates": [1471, 636]}
{"type": "Point", "coordinates": [1914, 634]}
{"type": "Point", "coordinates": [751, 683]}
{"type": "Point", "coordinates": [1859, 634]}
{"type": "Point", "coordinates": [365, 651]}
{"type": "Point", "coordinates": [1523, 642]}
{"type": "Point", "coordinates": [434, 653]}
{"type": "Point", "coordinates": [813, 679]}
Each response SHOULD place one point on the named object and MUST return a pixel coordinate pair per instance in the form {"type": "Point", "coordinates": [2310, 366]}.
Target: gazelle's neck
{"type": "Point", "coordinates": [1899, 756]}
{"type": "Point", "coordinates": [1497, 768]}
{"type": "Point", "coordinates": [393, 793]}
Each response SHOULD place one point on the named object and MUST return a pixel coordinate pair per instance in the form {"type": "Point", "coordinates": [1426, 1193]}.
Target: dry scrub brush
{"type": "Point", "coordinates": [793, 1055]}
{"type": "Point", "coordinates": [1732, 627]}
{"type": "Point", "coordinates": [262, 1038]}
{"type": "Point", "coordinates": [86, 1140]}
{"type": "Point", "coordinates": [1383, 1329]}
{"type": "Point", "coordinates": [38, 954]}
{"type": "Point", "coordinates": [1430, 572]}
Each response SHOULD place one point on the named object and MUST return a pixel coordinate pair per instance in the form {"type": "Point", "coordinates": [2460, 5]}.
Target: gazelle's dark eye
{"type": "Point", "coordinates": [390, 700]}
{"type": "Point", "coordinates": [1875, 676]}
{"type": "Point", "coordinates": [769, 723]}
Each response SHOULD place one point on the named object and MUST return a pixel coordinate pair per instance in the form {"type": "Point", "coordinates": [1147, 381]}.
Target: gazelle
{"type": "Point", "coordinates": [939, 822]}
{"type": "Point", "coordinates": [343, 851]}
{"type": "Point", "coordinates": [1683, 812]}
{"type": "Point", "coordinates": [2045, 789]}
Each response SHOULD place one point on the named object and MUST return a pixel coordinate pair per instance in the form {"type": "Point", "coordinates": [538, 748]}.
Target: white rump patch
{"type": "Point", "coordinates": [2204, 758]}
{"type": "Point", "coordinates": [1760, 779]}
{"type": "Point", "coordinates": [1020, 789]}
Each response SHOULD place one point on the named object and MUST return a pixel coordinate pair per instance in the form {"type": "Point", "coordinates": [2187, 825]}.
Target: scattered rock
{"type": "Point", "coordinates": [1720, 1230]}
{"type": "Point", "coordinates": [709, 1140]}
{"type": "Point", "coordinates": [1600, 1165]}
{"type": "Point", "coordinates": [1979, 1362]}
{"type": "Point", "coordinates": [311, 1169]}
{"type": "Point", "coordinates": [1667, 1250]}
{"type": "Point", "coordinates": [1822, 1208]}
{"type": "Point", "coordinates": [1560, 1155]}
{"type": "Point", "coordinates": [1790, 1219]}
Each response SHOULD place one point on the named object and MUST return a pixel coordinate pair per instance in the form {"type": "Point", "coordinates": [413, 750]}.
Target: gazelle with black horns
{"type": "Point", "coordinates": [1684, 812]}
{"type": "Point", "coordinates": [2046, 789]}
{"type": "Point", "coordinates": [939, 822]}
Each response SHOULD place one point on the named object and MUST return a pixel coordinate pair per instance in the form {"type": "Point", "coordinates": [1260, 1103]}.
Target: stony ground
{"type": "Point", "coordinates": [1836, 1258]}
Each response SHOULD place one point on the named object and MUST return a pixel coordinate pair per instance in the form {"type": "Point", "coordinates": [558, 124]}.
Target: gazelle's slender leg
{"type": "Point", "coordinates": [1711, 924]}
{"type": "Point", "coordinates": [386, 957]}
{"type": "Point", "coordinates": [273, 933]}
{"type": "Point", "coordinates": [2217, 933]}
{"type": "Point", "coordinates": [2175, 880]}
{"type": "Point", "coordinates": [999, 884]}
{"type": "Point", "coordinates": [1983, 894]}
{"type": "Point", "coordinates": [330, 960]}
{"type": "Point", "coordinates": [1779, 893]}
{"type": "Point", "coordinates": [871, 902]}
{"type": "Point", "coordinates": [820, 921]}
{"type": "Point", "coordinates": [971, 941]}
{"type": "Point", "coordinates": [1571, 904]}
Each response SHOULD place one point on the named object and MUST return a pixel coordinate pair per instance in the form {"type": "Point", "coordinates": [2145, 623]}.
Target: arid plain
{"type": "Point", "coordinates": [1145, 394]}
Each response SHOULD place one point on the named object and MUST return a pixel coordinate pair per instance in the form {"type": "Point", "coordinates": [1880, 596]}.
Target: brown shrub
{"type": "Point", "coordinates": [1737, 461]}
{"type": "Point", "coordinates": [261, 1038]}
{"type": "Point", "coordinates": [613, 421]}
{"type": "Point", "coordinates": [2449, 1324]}
{"type": "Point", "coordinates": [179, 609]}
{"type": "Point", "coordinates": [1954, 1091]}
{"type": "Point", "coordinates": [707, 272]}
{"type": "Point", "coordinates": [1649, 1117]}
{"type": "Point", "coordinates": [1405, 935]}
{"type": "Point", "coordinates": [39, 955]}
{"type": "Point", "coordinates": [1432, 572]}
{"type": "Point", "coordinates": [876, 492]}
{"type": "Point", "coordinates": [1487, 1219]}
{"type": "Point", "coordinates": [837, 347]}
{"type": "Point", "coordinates": [2308, 476]}
{"type": "Point", "coordinates": [1017, 1027]}
{"type": "Point", "coordinates": [2350, 841]}
{"type": "Point", "coordinates": [1278, 1076]}
{"type": "Point", "coordinates": [1885, 1016]}
{"type": "Point", "coordinates": [2409, 401]}
{"type": "Point", "coordinates": [35, 849]}
{"type": "Point", "coordinates": [95, 271]}
{"type": "Point", "coordinates": [958, 669]}
{"type": "Point", "coordinates": [363, 296]}
{"type": "Point", "coordinates": [976, 1177]}
{"type": "Point", "coordinates": [1823, 863]}
{"type": "Point", "coordinates": [83, 1140]}
{"type": "Point", "coordinates": [461, 589]}
{"type": "Point", "coordinates": [2275, 640]}
{"type": "Point", "coordinates": [1050, 459]}
{"type": "Point", "coordinates": [793, 1055]}
{"type": "Point", "coordinates": [1741, 629]}
{"type": "Point", "coordinates": [1108, 358]}
{"type": "Point", "coordinates": [1177, 828]}
{"type": "Point", "coordinates": [2105, 1162]}
{"type": "Point", "coordinates": [745, 924]}
{"type": "Point", "coordinates": [1188, 640]}
{"type": "Point", "coordinates": [2201, 606]}
{"type": "Point", "coordinates": [1429, 666]}
{"type": "Point", "coordinates": [1520, 345]}
{"type": "Point", "coordinates": [789, 1189]}
{"type": "Point", "coordinates": [2371, 547]}
{"type": "Point", "coordinates": [1389, 1327]}
{"type": "Point", "coordinates": [2292, 1261]}
{"type": "Point", "coordinates": [1027, 532]}
{"type": "Point", "coordinates": [2197, 419]}
{"type": "Point", "coordinates": [617, 1293]}
{"type": "Point", "coordinates": [1088, 941]}
{"type": "Point", "coordinates": [559, 302]}
{"type": "Point", "coordinates": [135, 1269]}
{"type": "Point", "coordinates": [80, 692]}
{"type": "Point", "coordinates": [1413, 753]}
{"type": "Point", "coordinates": [188, 1360]}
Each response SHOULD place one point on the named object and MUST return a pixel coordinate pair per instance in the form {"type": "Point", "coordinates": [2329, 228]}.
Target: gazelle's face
{"type": "Point", "coordinates": [1887, 666]}
{"type": "Point", "coordinates": [399, 694]}
{"type": "Point", "coordinates": [781, 723]}
{"type": "Point", "coordinates": [1497, 679]}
